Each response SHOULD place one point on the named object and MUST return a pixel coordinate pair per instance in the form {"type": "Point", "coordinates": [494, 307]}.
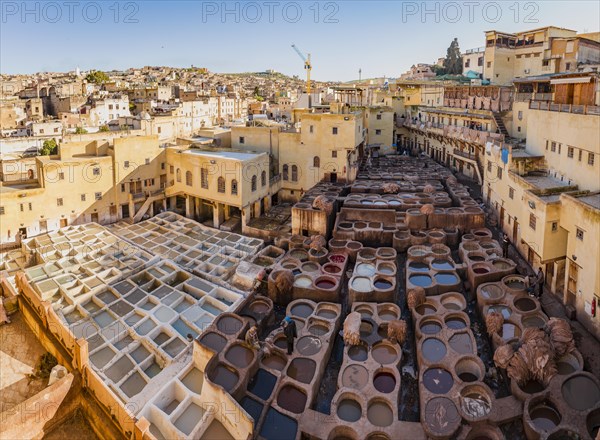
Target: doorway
{"type": "Point", "coordinates": [94, 217]}
{"type": "Point", "coordinates": [43, 226]}
{"type": "Point", "coordinates": [125, 210]}
{"type": "Point", "coordinates": [333, 177]}
{"type": "Point", "coordinates": [63, 222]}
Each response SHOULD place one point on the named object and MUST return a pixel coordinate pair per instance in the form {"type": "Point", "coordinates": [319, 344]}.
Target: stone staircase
{"type": "Point", "coordinates": [500, 124]}
{"type": "Point", "coordinates": [159, 195]}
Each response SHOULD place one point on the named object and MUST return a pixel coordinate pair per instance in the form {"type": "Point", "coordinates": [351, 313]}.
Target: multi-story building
{"type": "Point", "coordinates": [473, 60]}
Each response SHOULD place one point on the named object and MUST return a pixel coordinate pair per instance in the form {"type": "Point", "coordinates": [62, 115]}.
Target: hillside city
{"type": "Point", "coordinates": [193, 254]}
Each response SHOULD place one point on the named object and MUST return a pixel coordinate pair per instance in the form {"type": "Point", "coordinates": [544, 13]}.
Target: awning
{"type": "Point", "coordinates": [577, 80]}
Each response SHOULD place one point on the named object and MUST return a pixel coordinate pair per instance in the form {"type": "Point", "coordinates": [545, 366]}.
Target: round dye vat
{"type": "Point", "coordinates": [442, 265]}
{"type": "Point", "coordinates": [386, 269]}
{"type": "Point", "coordinates": [239, 356]}
{"type": "Point", "coordinates": [476, 404]}
{"type": "Point", "coordinates": [533, 321]}
{"type": "Point", "coordinates": [302, 369]}
{"type": "Point", "coordinates": [291, 399]}
{"type": "Point", "coordinates": [567, 364]}
{"type": "Point", "coordinates": [420, 280]}
{"type": "Point", "coordinates": [501, 265]}
{"type": "Point", "coordinates": [461, 343]}
{"type": "Point", "coordinates": [545, 417]}
{"type": "Point", "coordinates": [468, 370]}
{"type": "Point", "coordinates": [380, 414]}
{"type": "Point", "coordinates": [510, 331]}
{"type": "Point", "coordinates": [299, 254]}
{"type": "Point", "coordinates": [418, 267]}
{"type": "Point", "coordinates": [491, 291]}
{"type": "Point", "coordinates": [345, 225]}
{"type": "Point", "coordinates": [384, 382]}
{"type": "Point", "coordinates": [387, 315]}
{"type": "Point", "coordinates": [259, 307]}
{"type": "Point", "coordinates": [214, 341]}
{"type": "Point", "coordinates": [275, 362]}
{"type": "Point", "coordinates": [525, 304]}
{"type": "Point", "coordinates": [580, 392]}
{"type": "Point", "coordinates": [361, 284]}
{"type": "Point", "coordinates": [358, 353]}
{"type": "Point", "coordinates": [349, 410]}
{"type": "Point", "coordinates": [223, 376]}
{"type": "Point", "coordinates": [430, 327]}
{"type": "Point", "coordinates": [480, 270]}
{"type": "Point", "coordinates": [355, 376]}
{"type": "Point", "coordinates": [438, 380]}
{"type": "Point", "coordinates": [475, 257]}
{"type": "Point", "coordinates": [325, 284]}
{"type": "Point", "coordinates": [326, 313]}
{"type": "Point", "coordinates": [503, 310]}
{"type": "Point", "coordinates": [331, 268]}
{"type": "Point", "coordinates": [382, 330]}
{"type": "Point", "coordinates": [366, 329]}
{"type": "Point", "coordinates": [310, 267]}
{"type": "Point", "coordinates": [515, 284]}
{"type": "Point", "coordinates": [425, 309]}
{"type": "Point", "coordinates": [365, 311]}
{"type": "Point", "coordinates": [382, 284]}
{"type": "Point", "coordinates": [303, 281]}
{"type": "Point", "coordinates": [302, 310]}
{"type": "Point", "coordinates": [281, 343]}
{"type": "Point", "coordinates": [433, 350]}
{"type": "Point", "coordinates": [309, 345]}
{"type": "Point", "coordinates": [532, 387]}
{"type": "Point", "coordinates": [318, 329]}
{"type": "Point", "coordinates": [365, 269]}
{"type": "Point", "coordinates": [384, 354]}
{"type": "Point", "coordinates": [446, 278]}
{"type": "Point", "coordinates": [455, 323]}
{"type": "Point", "coordinates": [229, 325]}
{"type": "Point", "coordinates": [593, 423]}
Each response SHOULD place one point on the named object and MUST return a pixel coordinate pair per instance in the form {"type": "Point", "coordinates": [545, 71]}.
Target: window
{"type": "Point", "coordinates": [547, 142]}
{"type": "Point", "coordinates": [568, 66]}
{"type": "Point", "coordinates": [204, 178]}
{"type": "Point", "coordinates": [61, 176]}
{"type": "Point", "coordinates": [559, 147]}
{"type": "Point", "coordinates": [162, 165]}
{"type": "Point", "coordinates": [22, 207]}
{"type": "Point", "coordinates": [579, 234]}
{"type": "Point", "coordinates": [545, 63]}
{"type": "Point", "coordinates": [242, 140]}
{"type": "Point", "coordinates": [311, 129]}
{"type": "Point", "coordinates": [1, 210]}
{"type": "Point", "coordinates": [334, 130]}
{"type": "Point", "coordinates": [379, 117]}
{"type": "Point", "coordinates": [378, 132]}
{"type": "Point", "coordinates": [83, 197]}
{"type": "Point", "coordinates": [147, 161]}
{"type": "Point", "coordinates": [253, 183]}
{"type": "Point", "coordinates": [178, 175]}
{"type": "Point", "coordinates": [532, 221]}
{"type": "Point", "coordinates": [263, 178]}
{"type": "Point", "coordinates": [188, 178]}
{"type": "Point", "coordinates": [30, 206]}
{"type": "Point", "coordinates": [590, 158]}
{"type": "Point", "coordinates": [285, 172]}
{"type": "Point", "coordinates": [554, 226]}
{"type": "Point", "coordinates": [489, 64]}
{"type": "Point", "coordinates": [468, 62]}
{"type": "Point", "coordinates": [234, 189]}
{"type": "Point", "coordinates": [519, 129]}
{"type": "Point", "coordinates": [221, 184]}
{"type": "Point", "coordinates": [122, 187]}
{"type": "Point", "coordinates": [580, 155]}
{"type": "Point", "coordinates": [334, 153]}
{"type": "Point", "coordinates": [553, 147]}
{"type": "Point", "coordinates": [570, 152]}
{"type": "Point", "coordinates": [294, 173]}
{"type": "Point", "coordinates": [511, 193]}
{"type": "Point", "coordinates": [499, 173]}
{"type": "Point", "coordinates": [159, 130]}
{"type": "Point", "coordinates": [59, 202]}
{"type": "Point", "coordinates": [96, 171]}
{"type": "Point", "coordinates": [316, 162]}
{"type": "Point", "coordinates": [126, 164]}
{"type": "Point", "coordinates": [489, 167]}
{"type": "Point", "coordinates": [98, 196]}
{"type": "Point", "coordinates": [171, 169]}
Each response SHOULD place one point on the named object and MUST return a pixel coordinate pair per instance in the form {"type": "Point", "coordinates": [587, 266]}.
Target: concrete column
{"type": "Point", "coordinates": [218, 215]}
{"type": "Point", "coordinates": [188, 207]}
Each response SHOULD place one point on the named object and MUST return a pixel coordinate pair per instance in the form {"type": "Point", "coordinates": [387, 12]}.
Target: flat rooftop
{"type": "Point", "coordinates": [592, 200]}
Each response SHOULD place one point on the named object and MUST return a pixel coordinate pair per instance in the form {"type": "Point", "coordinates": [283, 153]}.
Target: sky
{"type": "Point", "coordinates": [383, 38]}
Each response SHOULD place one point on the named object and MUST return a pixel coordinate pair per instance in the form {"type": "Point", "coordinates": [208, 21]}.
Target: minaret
{"type": "Point", "coordinates": [359, 74]}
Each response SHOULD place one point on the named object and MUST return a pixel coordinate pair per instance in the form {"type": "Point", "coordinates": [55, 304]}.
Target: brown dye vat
{"type": "Point", "coordinates": [355, 376]}
{"type": "Point", "coordinates": [475, 257]}
{"type": "Point", "coordinates": [302, 310]}
{"type": "Point", "coordinates": [224, 376]}
{"type": "Point", "coordinates": [545, 417]}
{"type": "Point", "coordinates": [532, 387]}
{"type": "Point", "coordinates": [332, 268]}
{"type": "Point", "coordinates": [515, 284]}
{"type": "Point", "coordinates": [482, 401]}
{"type": "Point", "coordinates": [349, 410]}
{"type": "Point", "coordinates": [567, 364]}
{"type": "Point", "coordinates": [291, 399]}
{"type": "Point", "coordinates": [461, 343]}
{"type": "Point", "coordinates": [326, 313]}
{"type": "Point", "coordinates": [433, 350]}
{"type": "Point", "coordinates": [455, 323]}
{"type": "Point", "coordinates": [239, 356]}
{"type": "Point", "coordinates": [302, 369]}
{"type": "Point", "coordinates": [593, 423]}
{"type": "Point", "coordinates": [430, 327]}
{"type": "Point", "coordinates": [214, 341]}
{"type": "Point", "coordinates": [358, 353]}
{"type": "Point", "coordinates": [580, 392]}
{"type": "Point", "coordinates": [366, 329]}
{"type": "Point", "coordinates": [480, 270]}
{"type": "Point", "coordinates": [380, 414]}
{"type": "Point", "coordinates": [501, 265]}
{"type": "Point", "coordinates": [425, 309]}
{"type": "Point", "coordinates": [259, 307]}
{"type": "Point", "coordinates": [384, 382]}
{"type": "Point", "coordinates": [438, 380]}
{"type": "Point", "coordinates": [384, 354]}
{"type": "Point", "coordinates": [309, 345]}
{"type": "Point", "coordinates": [525, 304]}
{"type": "Point", "coordinates": [365, 312]}
{"type": "Point", "coordinates": [468, 377]}
{"type": "Point", "coordinates": [275, 362]}
{"type": "Point", "coordinates": [387, 315]}
{"type": "Point", "coordinates": [533, 321]}
{"type": "Point", "coordinates": [382, 330]}
{"type": "Point", "coordinates": [229, 325]}
{"type": "Point", "coordinates": [325, 284]}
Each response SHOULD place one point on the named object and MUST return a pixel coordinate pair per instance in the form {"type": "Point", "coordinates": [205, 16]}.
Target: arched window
{"type": "Point", "coordinates": [294, 173]}
{"type": "Point", "coordinates": [178, 174]}
{"type": "Point", "coordinates": [285, 172]}
{"type": "Point", "coordinates": [263, 178]}
{"type": "Point", "coordinates": [316, 162]}
{"type": "Point", "coordinates": [253, 184]}
{"type": "Point", "coordinates": [234, 187]}
{"type": "Point", "coordinates": [188, 178]}
{"type": "Point", "coordinates": [221, 184]}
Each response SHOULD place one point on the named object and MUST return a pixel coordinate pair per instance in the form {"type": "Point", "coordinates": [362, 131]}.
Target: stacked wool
{"type": "Point", "coordinates": [317, 242]}
{"type": "Point", "coordinates": [451, 180]}
{"type": "Point", "coordinates": [397, 331]}
{"type": "Point", "coordinates": [352, 329]}
{"type": "Point", "coordinates": [284, 281]}
{"type": "Point", "coordinates": [537, 355]}
{"type": "Point", "coordinates": [493, 322]}
{"type": "Point", "coordinates": [323, 204]}
{"type": "Point", "coordinates": [561, 336]}
{"type": "Point", "coordinates": [503, 355]}
{"type": "Point", "coordinates": [429, 189]}
{"type": "Point", "coordinates": [427, 209]}
{"type": "Point", "coordinates": [415, 297]}
{"type": "Point", "coordinates": [391, 188]}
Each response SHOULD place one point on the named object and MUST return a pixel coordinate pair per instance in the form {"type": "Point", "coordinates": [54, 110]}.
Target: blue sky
{"type": "Point", "coordinates": [381, 37]}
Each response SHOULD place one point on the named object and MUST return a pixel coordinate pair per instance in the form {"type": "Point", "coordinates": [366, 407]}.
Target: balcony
{"type": "Point", "coordinates": [460, 133]}
{"type": "Point", "coordinates": [565, 108]}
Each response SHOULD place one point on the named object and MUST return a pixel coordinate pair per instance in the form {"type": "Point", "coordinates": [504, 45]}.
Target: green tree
{"type": "Point", "coordinates": [97, 77]}
{"type": "Point", "coordinates": [438, 70]}
{"type": "Point", "coordinates": [49, 148]}
{"type": "Point", "coordinates": [104, 128]}
{"type": "Point", "coordinates": [80, 130]}
{"type": "Point", "coordinates": [453, 61]}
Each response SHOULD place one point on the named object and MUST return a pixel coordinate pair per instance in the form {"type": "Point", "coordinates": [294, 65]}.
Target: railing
{"type": "Point", "coordinates": [274, 179]}
{"type": "Point", "coordinates": [565, 108]}
{"type": "Point", "coordinates": [464, 154]}
{"type": "Point", "coordinates": [478, 137]}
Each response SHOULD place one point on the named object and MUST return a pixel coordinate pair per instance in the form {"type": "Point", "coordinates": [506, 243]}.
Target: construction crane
{"type": "Point", "coordinates": [307, 67]}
